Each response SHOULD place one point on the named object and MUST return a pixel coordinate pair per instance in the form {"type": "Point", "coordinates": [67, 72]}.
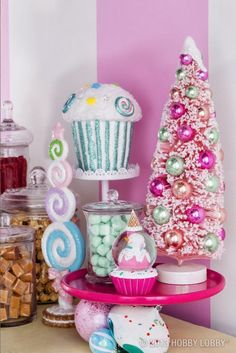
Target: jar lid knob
{"type": "Point", "coordinates": [37, 176]}
{"type": "Point", "coordinates": [7, 110]}
{"type": "Point", "coordinates": [5, 220]}
{"type": "Point", "coordinates": [112, 195]}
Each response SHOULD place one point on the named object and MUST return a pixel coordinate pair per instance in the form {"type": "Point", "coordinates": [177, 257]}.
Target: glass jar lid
{"type": "Point", "coordinates": [12, 134]}
{"type": "Point", "coordinates": [13, 234]}
{"type": "Point", "coordinates": [112, 205]}
{"type": "Point", "coordinates": [30, 198]}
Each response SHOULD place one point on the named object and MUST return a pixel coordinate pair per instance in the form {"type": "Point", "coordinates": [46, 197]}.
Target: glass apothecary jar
{"type": "Point", "coordinates": [26, 206]}
{"type": "Point", "coordinates": [14, 151]}
{"type": "Point", "coordinates": [17, 274]}
{"type": "Point", "coordinates": [106, 220]}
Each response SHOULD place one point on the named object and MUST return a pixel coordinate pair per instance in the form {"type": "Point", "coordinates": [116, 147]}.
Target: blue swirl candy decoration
{"type": "Point", "coordinates": [69, 103]}
{"type": "Point", "coordinates": [63, 246]}
{"type": "Point", "coordinates": [124, 106]}
{"type": "Point", "coordinates": [101, 341]}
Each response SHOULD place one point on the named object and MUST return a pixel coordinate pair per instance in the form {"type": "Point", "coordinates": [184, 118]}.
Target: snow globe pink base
{"type": "Point", "coordinates": [134, 253]}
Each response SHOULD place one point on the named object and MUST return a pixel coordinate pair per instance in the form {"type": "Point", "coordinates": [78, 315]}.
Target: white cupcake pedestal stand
{"type": "Point", "coordinates": [131, 172]}
{"type": "Point", "coordinates": [136, 321]}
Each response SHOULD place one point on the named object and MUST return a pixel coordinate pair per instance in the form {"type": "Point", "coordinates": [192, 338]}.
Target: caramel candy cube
{"type": "Point", "coordinates": [29, 287]}
{"type": "Point", "coordinates": [3, 314]}
{"type": "Point", "coordinates": [27, 298]}
{"type": "Point", "coordinates": [11, 253]}
{"type": "Point", "coordinates": [27, 277]}
{"type": "Point", "coordinates": [25, 309]}
{"type": "Point", "coordinates": [13, 313]}
{"type": "Point", "coordinates": [4, 265]}
{"type": "Point", "coordinates": [9, 279]}
{"type": "Point", "coordinates": [4, 296]}
{"type": "Point", "coordinates": [17, 269]}
{"type": "Point", "coordinates": [27, 265]}
{"type": "Point", "coordinates": [15, 302]}
{"type": "Point", "coordinates": [25, 254]}
{"type": "Point", "coordinates": [20, 287]}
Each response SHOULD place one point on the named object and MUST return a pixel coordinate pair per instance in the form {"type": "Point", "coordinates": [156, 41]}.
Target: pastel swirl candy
{"type": "Point", "coordinates": [63, 246]}
{"type": "Point", "coordinates": [60, 204]}
{"type": "Point", "coordinates": [60, 174]}
{"type": "Point", "coordinates": [124, 106]}
{"type": "Point", "coordinates": [58, 150]}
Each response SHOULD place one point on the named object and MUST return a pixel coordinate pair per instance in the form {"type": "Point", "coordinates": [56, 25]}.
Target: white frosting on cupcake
{"type": "Point", "coordinates": [149, 273]}
{"type": "Point", "coordinates": [102, 102]}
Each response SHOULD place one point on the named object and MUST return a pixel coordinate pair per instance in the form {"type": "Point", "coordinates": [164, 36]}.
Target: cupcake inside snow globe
{"type": "Point", "coordinates": [134, 253]}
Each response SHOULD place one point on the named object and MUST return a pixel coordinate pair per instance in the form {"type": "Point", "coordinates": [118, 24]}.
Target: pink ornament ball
{"type": "Point", "coordinates": [221, 234]}
{"type": "Point", "coordinates": [204, 113]}
{"type": "Point", "coordinates": [177, 110]}
{"type": "Point", "coordinates": [186, 59]}
{"type": "Point", "coordinates": [89, 317]}
{"type": "Point", "coordinates": [202, 75]}
{"type": "Point", "coordinates": [181, 189]}
{"type": "Point", "coordinates": [174, 238]}
{"type": "Point", "coordinates": [185, 133]}
{"type": "Point", "coordinates": [195, 214]}
{"type": "Point", "coordinates": [158, 185]}
{"type": "Point", "coordinates": [207, 159]}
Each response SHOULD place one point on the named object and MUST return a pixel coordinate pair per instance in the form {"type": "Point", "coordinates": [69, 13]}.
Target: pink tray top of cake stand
{"type": "Point", "coordinates": [76, 285]}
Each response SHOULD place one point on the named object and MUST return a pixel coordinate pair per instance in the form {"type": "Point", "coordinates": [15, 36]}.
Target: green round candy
{"type": "Point", "coordinates": [180, 74]}
{"type": "Point", "coordinates": [117, 223]}
{"type": "Point", "coordinates": [163, 134]}
{"type": "Point", "coordinates": [212, 184]}
{"type": "Point", "coordinates": [105, 219]}
{"type": "Point", "coordinates": [103, 262]}
{"type": "Point", "coordinates": [96, 241]}
{"type": "Point", "coordinates": [212, 135]}
{"type": "Point", "coordinates": [109, 256]}
{"type": "Point", "coordinates": [104, 229]}
{"type": "Point", "coordinates": [175, 165]}
{"type": "Point", "coordinates": [94, 259]}
{"type": "Point", "coordinates": [161, 215]}
{"type": "Point", "coordinates": [101, 272]}
{"type": "Point", "coordinates": [108, 240]}
{"type": "Point", "coordinates": [94, 219]}
{"type": "Point", "coordinates": [211, 242]}
{"type": "Point", "coordinates": [95, 230]}
{"type": "Point", "coordinates": [102, 250]}
{"type": "Point", "coordinates": [192, 92]}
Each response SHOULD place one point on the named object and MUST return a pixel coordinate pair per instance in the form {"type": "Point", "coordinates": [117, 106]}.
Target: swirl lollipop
{"type": "Point", "coordinates": [58, 149]}
{"type": "Point", "coordinates": [60, 174]}
{"type": "Point", "coordinates": [60, 204]}
{"type": "Point", "coordinates": [124, 106]}
{"type": "Point", "coordinates": [63, 246]}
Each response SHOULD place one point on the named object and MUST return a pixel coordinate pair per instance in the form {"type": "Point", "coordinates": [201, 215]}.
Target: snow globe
{"type": "Point", "coordinates": [134, 253]}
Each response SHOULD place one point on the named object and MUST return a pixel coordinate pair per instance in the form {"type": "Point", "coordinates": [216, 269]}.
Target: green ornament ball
{"type": "Point", "coordinates": [212, 135]}
{"type": "Point", "coordinates": [163, 134]}
{"type": "Point", "coordinates": [180, 74]}
{"type": "Point", "coordinates": [161, 215]}
{"type": "Point", "coordinates": [212, 184]}
{"type": "Point", "coordinates": [192, 92]}
{"type": "Point", "coordinates": [211, 242]}
{"type": "Point", "coordinates": [175, 165]}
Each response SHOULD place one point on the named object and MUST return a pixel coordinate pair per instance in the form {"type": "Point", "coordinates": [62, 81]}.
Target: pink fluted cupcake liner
{"type": "Point", "coordinates": [133, 286]}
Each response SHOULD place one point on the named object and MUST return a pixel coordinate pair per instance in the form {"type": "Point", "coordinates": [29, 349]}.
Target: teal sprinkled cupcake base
{"type": "Point", "coordinates": [102, 145]}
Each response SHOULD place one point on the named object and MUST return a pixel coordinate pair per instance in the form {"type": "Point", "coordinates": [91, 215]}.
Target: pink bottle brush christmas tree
{"type": "Point", "coordinates": [185, 211]}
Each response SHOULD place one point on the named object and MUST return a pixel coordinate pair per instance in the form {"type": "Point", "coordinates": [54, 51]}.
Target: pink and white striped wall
{"type": "Point", "coordinates": [57, 46]}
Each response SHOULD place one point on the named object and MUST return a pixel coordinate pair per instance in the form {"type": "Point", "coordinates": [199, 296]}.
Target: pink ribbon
{"type": "Point", "coordinates": [57, 276]}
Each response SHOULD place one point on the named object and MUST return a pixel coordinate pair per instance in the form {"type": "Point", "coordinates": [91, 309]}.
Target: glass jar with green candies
{"type": "Point", "coordinates": [106, 220]}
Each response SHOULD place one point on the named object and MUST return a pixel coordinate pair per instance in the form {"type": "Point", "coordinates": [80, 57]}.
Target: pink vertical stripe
{"type": "Point", "coordinates": [4, 71]}
{"type": "Point", "coordinates": [138, 46]}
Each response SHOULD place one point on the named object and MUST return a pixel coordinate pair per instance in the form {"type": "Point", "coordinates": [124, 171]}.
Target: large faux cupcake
{"type": "Point", "coordinates": [134, 252]}
{"type": "Point", "coordinates": [102, 117]}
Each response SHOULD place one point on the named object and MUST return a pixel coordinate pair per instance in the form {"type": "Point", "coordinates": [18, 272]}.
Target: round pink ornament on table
{"type": "Point", "coordinates": [207, 159]}
{"type": "Point", "coordinates": [89, 317]}
{"type": "Point", "coordinates": [195, 214]}
{"type": "Point", "coordinates": [158, 185]}
{"type": "Point", "coordinates": [185, 133]}
{"type": "Point", "coordinates": [177, 110]}
{"type": "Point", "coordinates": [186, 59]}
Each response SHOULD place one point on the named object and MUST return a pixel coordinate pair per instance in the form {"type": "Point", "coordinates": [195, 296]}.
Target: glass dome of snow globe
{"type": "Point", "coordinates": [134, 249]}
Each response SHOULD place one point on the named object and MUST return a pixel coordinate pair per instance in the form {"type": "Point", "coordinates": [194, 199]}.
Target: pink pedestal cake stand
{"type": "Point", "coordinates": [76, 285]}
